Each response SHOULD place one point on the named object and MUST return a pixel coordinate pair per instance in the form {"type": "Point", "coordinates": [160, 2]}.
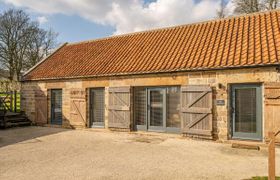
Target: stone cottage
{"type": "Point", "coordinates": [218, 79]}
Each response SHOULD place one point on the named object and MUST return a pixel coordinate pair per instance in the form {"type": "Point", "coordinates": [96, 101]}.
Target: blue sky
{"type": "Point", "coordinates": [75, 28]}
{"type": "Point", "coordinates": [71, 28]}
{"type": "Point", "coordinates": [90, 19]}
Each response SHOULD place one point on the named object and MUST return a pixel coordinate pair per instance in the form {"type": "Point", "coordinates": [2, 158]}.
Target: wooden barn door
{"type": "Point", "coordinates": [197, 110]}
{"type": "Point", "coordinates": [119, 107]}
{"type": "Point", "coordinates": [41, 108]}
{"type": "Point", "coordinates": [272, 108]}
{"type": "Point", "coordinates": [78, 107]}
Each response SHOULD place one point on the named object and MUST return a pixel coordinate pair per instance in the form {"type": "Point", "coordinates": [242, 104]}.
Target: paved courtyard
{"type": "Point", "coordinates": [54, 153]}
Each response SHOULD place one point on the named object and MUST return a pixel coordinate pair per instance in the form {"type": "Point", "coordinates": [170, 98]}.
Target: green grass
{"type": "Point", "coordinates": [263, 178]}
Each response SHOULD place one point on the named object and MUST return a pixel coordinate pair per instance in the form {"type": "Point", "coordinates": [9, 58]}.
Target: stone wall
{"type": "Point", "coordinates": [219, 80]}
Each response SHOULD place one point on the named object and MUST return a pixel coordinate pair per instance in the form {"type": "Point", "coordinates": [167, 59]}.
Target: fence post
{"type": "Point", "coordinates": [11, 101]}
{"type": "Point", "coordinates": [15, 101]}
{"type": "Point", "coordinates": [271, 156]}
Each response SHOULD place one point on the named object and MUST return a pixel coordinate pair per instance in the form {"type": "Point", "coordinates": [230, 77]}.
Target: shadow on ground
{"type": "Point", "coordinates": [20, 134]}
{"type": "Point", "coordinates": [147, 139]}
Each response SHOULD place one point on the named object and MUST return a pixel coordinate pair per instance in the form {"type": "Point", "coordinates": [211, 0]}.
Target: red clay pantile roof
{"type": "Point", "coordinates": [251, 40]}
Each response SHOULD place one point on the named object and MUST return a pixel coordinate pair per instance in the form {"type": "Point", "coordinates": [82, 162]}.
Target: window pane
{"type": "Point", "coordinates": [56, 100]}
{"type": "Point", "coordinates": [140, 107]}
{"type": "Point", "coordinates": [156, 110]}
{"type": "Point", "coordinates": [245, 115]}
{"type": "Point", "coordinates": [98, 105]}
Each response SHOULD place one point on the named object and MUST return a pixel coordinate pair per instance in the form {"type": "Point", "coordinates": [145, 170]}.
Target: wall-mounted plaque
{"type": "Point", "coordinates": [220, 102]}
{"type": "Point", "coordinates": [77, 93]}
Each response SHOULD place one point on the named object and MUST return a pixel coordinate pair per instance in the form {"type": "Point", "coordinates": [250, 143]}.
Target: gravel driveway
{"type": "Point", "coordinates": [54, 153]}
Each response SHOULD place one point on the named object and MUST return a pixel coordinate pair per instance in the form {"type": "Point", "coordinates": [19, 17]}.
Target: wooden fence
{"type": "Point", "coordinates": [10, 101]}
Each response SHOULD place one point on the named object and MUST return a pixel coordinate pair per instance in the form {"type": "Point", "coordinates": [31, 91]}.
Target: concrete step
{"type": "Point", "coordinates": [245, 146]}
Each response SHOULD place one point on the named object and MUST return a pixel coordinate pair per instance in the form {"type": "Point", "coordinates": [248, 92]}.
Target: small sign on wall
{"type": "Point", "coordinates": [220, 102]}
{"type": "Point", "coordinates": [77, 93]}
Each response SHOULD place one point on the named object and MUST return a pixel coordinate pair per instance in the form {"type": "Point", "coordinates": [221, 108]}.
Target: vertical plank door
{"type": "Point", "coordinates": [41, 108]}
{"type": "Point", "coordinates": [119, 107]}
{"type": "Point", "coordinates": [272, 108]}
{"type": "Point", "coordinates": [196, 110]}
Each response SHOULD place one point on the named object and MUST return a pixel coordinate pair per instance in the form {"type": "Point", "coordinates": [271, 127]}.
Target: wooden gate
{"type": "Point", "coordinates": [119, 107]}
{"type": "Point", "coordinates": [10, 101]}
{"type": "Point", "coordinates": [78, 107]}
{"type": "Point", "coordinates": [41, 108]}
{"type": "Point", "coordinates": [197, 110]}
{"type": "Point", "coordinates": [272, 108]}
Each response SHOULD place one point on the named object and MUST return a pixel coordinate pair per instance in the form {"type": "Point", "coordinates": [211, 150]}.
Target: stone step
{"type": "Point", "coordinates": [16, 119]}
{"type": "Point", "coordinates": [15, 115]}
{"type": "Point", "coordinates": [12, 119]}
{"type": "Point", "coordinates": [26, 123]}
{"type": "Point", "coordinates": [245, 146]}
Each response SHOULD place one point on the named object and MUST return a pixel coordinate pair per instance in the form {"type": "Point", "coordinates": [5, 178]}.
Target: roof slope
{"type": "Point", "coordinates": [250, 40]}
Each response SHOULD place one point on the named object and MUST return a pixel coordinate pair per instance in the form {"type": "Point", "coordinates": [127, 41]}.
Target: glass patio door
{"type": "Point", "coordinates": [157, 109]}
{"type": "Point", "coordinates": [97, 106]}
{"type": "Point", "coordinates": [56, 106]}
{"type": "Point", "coordinates": [247, 112]}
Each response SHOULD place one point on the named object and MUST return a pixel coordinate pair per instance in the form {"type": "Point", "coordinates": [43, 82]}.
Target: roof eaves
{"type": "Point", "coordinates": [162, 71]}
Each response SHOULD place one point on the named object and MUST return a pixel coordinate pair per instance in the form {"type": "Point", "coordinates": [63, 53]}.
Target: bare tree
{"type": "Point", "coordinates": [9, 37]}
{"type": "Point", "coordinates": [221, 12]}
{"type": "Point", "coordinates": [247, 6]}
{"type": "Point", "coordinates": [271, 4]}
{"type": "Point", "coordinates": [251, 6]}
{"type": "Point", "coordinates": [41, 46]}
{"type": "Point", "coordinates": [19, 36]}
